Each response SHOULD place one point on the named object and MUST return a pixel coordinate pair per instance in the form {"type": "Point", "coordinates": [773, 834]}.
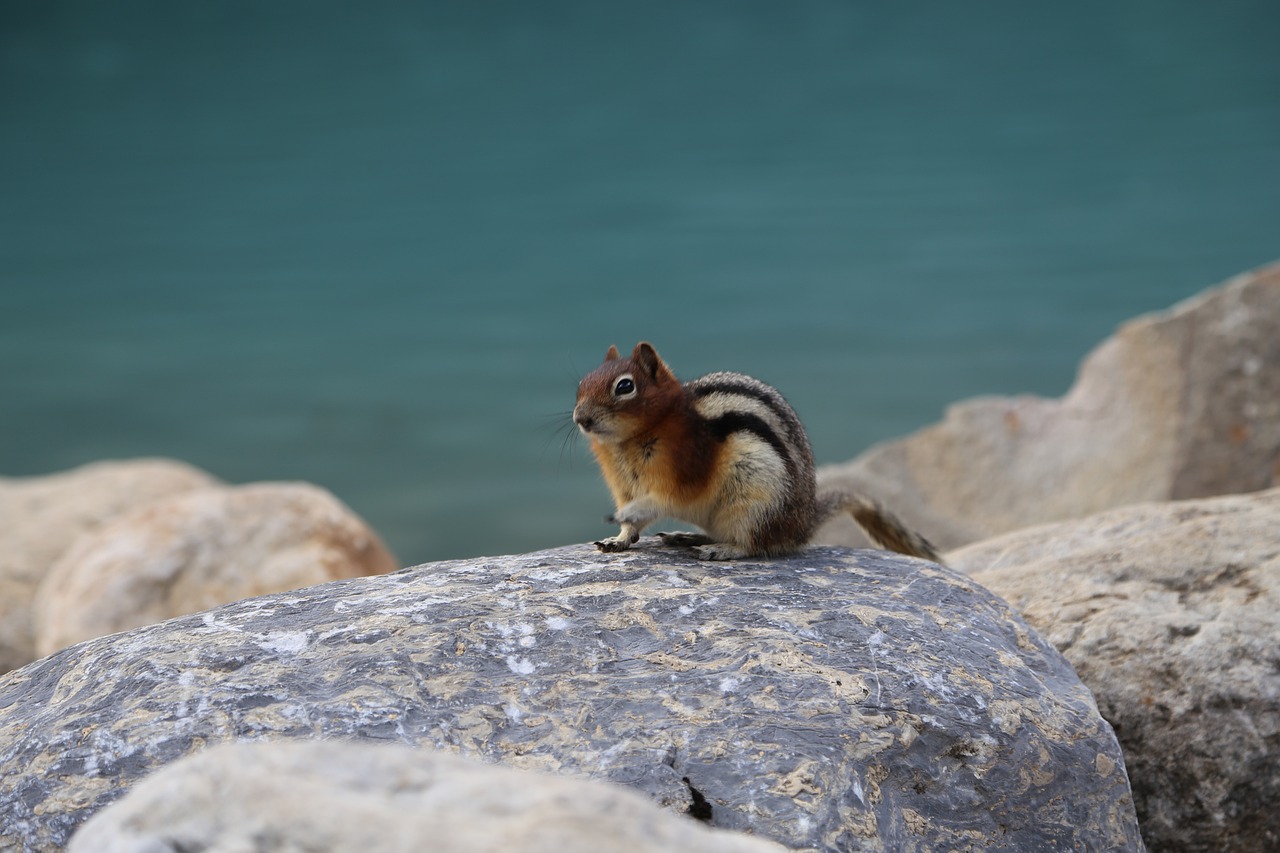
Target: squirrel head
{"type": "Point", "coordinates": [625, 396]}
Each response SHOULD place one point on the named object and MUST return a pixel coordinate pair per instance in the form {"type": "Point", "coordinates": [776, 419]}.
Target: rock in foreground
{"type": "Point", "coordinates": [1180, 404]}
{"type": "Point", "coordinates": [831, 701]}
{"type": "Point", "coordinates": [1171, 614]}
{"type": "Point", "coordinates": [335, 797]}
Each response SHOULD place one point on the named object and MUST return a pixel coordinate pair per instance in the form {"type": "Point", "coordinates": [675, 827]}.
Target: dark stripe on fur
{"type": "Point", "coordinates": [731, 422]}
{"type": "Point", "coordinates": [754, 389]}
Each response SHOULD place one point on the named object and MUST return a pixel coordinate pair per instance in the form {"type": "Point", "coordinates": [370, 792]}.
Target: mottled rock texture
{"type": "Point", "coordinates": [1180, 404]}
{"type": "Point", "coordinates": [1171, 614]}
{"type": "Point", "coordinates": [197, 550]}
{"type": "Point", "coordinates": [41, 516]}
{"type": "Point", "coordinates": [333, 797]}
{"type": "Point", "coordinates": [831, 701]}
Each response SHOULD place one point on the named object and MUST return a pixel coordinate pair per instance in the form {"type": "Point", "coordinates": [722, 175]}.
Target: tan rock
{"type": "Point", "coordinates": [1170, 613]}
{"type": "Point", "coordinates": [1179, 404]}
{"type": "Point", "coordinates": [41, 516]}
{"type": "Point", "coordinates": [201, 549]}
{"type": "Point", "coordinates": [341, 797]}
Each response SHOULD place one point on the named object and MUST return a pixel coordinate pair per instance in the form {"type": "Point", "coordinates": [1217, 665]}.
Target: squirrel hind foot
{"type": "Point", "coordinates": [721, 551]}
{"type": "Point", "coordinates": [704, 547]}
{"type": "Point", "coordinates": [682, 539]}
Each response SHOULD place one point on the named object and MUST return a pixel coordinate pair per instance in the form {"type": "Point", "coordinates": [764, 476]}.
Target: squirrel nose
{"type": "Point", "coordinates": [584, 421]}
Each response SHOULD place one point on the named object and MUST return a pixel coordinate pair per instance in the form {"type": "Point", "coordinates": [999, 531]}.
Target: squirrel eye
{"type": "Point", "coordinates": [625, 386]}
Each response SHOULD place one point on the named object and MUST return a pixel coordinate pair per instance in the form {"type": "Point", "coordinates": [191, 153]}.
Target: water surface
{"type": "Point", "coordinates": [373, 247]}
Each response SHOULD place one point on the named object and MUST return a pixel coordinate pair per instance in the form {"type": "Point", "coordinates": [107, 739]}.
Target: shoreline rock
{"type": "Point", "coordinates": [197, 550]}
{"type": "Point", "coordinates": [41, 516]}
{"type": "Point", "coordinates": [1177, 404]}
{"type": "Point", "coordinates": [119, 543]}
{"type": "Point", "coordinates": [1170, 613]}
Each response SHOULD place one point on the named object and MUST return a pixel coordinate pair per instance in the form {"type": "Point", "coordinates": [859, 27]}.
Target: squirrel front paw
{"type": "Point", "coordinates": [639, 513]}
{"type": "Point", "coordinates": [614, 544]}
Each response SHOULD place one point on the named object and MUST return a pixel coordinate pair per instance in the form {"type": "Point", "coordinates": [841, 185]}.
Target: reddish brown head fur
{"type": "Point", "coordinates": [624, 396]}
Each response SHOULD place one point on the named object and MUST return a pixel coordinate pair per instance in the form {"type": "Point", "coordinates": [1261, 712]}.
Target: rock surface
{"type": "Point", "coordinates": [335, 797]}
{"type": "Point", "coordinates": [200, 549]}
{"type": "Point", "coordinates": [1171, 614]}
{"type": "Point", "coordinates": [1180, 404]}
{"type": "Point", "coordinates": [831, 701]}
{"type": "Point", "coordinates": [41, 516]}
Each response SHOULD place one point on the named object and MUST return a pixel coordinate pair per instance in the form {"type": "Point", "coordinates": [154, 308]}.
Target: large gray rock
{"type": "Point", "coordinates": [831, 701]}
{"type": "Point", "coordinates": [41, 516]}
{"type": "Point", "coordinates": [1180, 404]}
{"type": "Point", "coordinates": [333, 797]}
{"type": "Point", "coordinates": [1171, 614]}
{"type": "Point", "coordinates": [197, 550]}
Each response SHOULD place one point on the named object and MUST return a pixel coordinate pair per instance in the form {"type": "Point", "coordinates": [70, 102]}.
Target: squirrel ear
{"type": "Point", "coordinates": [612, 354]}
{"type": "Point", "coordinates": [648, 359]}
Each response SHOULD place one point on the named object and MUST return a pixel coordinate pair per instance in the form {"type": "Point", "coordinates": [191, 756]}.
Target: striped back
{"type": "Point", "coordinates": [734, 402]}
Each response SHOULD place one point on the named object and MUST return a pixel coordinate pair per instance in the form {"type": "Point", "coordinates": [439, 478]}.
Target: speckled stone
{"type": "Point", "coordinates": [837, 700]}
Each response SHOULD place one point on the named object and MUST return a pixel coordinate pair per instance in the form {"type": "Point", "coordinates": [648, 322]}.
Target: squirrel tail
{"type": "Point", "coordinates": [882, 526]}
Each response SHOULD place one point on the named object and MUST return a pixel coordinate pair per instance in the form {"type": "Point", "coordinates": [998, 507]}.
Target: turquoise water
{"type": "Point", "coordinates": [374, 245]}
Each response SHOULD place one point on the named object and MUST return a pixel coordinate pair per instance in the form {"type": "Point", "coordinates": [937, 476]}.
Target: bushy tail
{"type": "Point", "coordinates": [882, 526]}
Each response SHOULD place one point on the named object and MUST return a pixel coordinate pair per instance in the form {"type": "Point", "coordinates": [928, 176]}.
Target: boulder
{"type": "Point", "coordinates": [1180, 404]}
{"type": "Point", "coordinates": [341, 797]}
{"type": "Point", "coordinates": [197, 550]}
{"type": "Point", "coordinates": [41, 516]}
{"type": "Point", "coordinates": [1170, 613]}
{"type": "Point", "coordinates": [835, 700]}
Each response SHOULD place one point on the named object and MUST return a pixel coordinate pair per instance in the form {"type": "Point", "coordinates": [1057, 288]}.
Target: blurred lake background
{"type": "Point", "coordinates": [374, 245]}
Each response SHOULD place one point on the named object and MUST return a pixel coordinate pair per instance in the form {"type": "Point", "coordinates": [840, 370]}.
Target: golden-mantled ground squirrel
{"type": "Point", "coordinates": [724, 451]}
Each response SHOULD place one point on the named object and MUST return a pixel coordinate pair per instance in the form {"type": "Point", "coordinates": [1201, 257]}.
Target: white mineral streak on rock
{"type": "Point", "coordinates": [284, 642]}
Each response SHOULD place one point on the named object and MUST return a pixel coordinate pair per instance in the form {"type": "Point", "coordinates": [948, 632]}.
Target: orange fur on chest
{"type": "Point", "coordinates": [670, 461]}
